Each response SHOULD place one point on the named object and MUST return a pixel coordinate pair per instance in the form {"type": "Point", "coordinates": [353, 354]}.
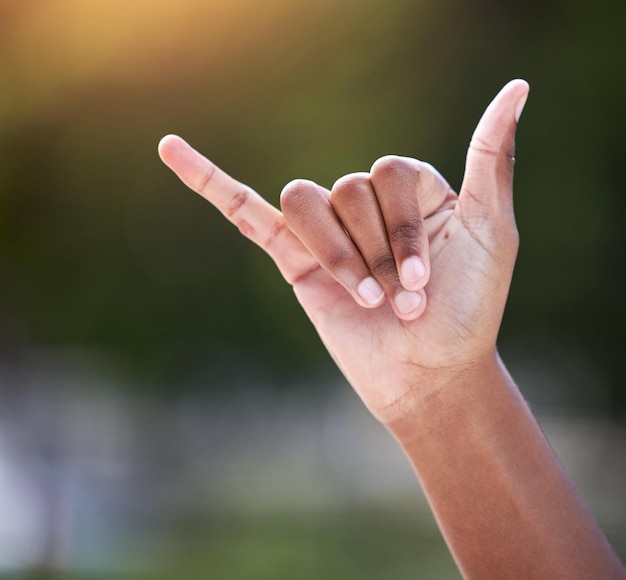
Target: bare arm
{"type": "Point", "coordinates": [406, 283]}
{"type": "Point", "coordinates": [503, 502]}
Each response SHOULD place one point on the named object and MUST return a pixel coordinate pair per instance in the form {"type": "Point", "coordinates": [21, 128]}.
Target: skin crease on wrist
{"type": "Point", "coordinates": [406, 282]}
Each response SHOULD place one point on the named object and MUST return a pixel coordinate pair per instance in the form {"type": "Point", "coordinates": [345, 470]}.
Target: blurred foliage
{"type": "Point", "coordinates": [101, 246]}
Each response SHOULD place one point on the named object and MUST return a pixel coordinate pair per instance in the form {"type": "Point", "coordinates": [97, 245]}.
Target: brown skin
{"type": "Point", "coordinates": [406, 284]}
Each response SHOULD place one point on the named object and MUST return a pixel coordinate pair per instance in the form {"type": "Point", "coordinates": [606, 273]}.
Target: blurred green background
{"type": "Point", "coordinates": [128, 305]}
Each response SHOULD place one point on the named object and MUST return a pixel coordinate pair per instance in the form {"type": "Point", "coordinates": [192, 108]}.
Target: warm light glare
{"type": "Point", "coordinates": [53, 48]}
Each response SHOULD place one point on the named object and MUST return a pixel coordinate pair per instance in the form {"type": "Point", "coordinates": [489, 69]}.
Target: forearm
{"type": "Point", "coordinates": [505, 505]}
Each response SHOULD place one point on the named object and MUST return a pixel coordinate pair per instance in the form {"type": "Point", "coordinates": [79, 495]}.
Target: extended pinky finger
{"type": "Point", "coordinates": [245, 208]}
{"type": "Point", "coordinates": [310, 216]}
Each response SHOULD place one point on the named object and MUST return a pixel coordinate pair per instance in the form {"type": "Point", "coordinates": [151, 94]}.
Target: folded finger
{"type": "Point", "coordinates": [397, 181]}
{"type": "Point", "coordinates": [310, 215]}
{"type": "Point", "coordinates": [355, 203]}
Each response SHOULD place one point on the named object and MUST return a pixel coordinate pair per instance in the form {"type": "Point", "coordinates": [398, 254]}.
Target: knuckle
{"type": "Point", "coordinates": [391, 166]}
{"type": "Point", "coordinates": [483, 146]}
{"type": "Point", "coordinates": [338, 259]}
{"type": "Point", "coordinates": [384, 267]}
{"type": "Point", "coordinates": [404, 232]}
{"type": "Point", "coordinates": [295, 194]}
{"type": "Point", "coordinates": [412, 173]}
{"type": "Point", "coordinates": [351, 188]}
{"type": "Point", "coordinates": [205, 178]}
{"type": "Point", "coordinates": [238, 200]}
{"type": "Point", "coordinates": [396, 167]}
{"type": "Point", "coordinates": [348, 186]}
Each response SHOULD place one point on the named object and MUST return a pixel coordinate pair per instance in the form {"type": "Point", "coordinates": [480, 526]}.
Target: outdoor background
{"type": "Point", "coordinates": [166, 411]}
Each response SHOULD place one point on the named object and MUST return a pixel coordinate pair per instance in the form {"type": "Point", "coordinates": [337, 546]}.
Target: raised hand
{"type": "Point", "coordinates": [404, 280]}
{"type": "Point", "coordinates": [406, 284]}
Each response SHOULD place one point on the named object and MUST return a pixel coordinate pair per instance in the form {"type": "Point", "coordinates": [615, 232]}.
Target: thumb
{"type": "Point", "coordinates": [488, 181]}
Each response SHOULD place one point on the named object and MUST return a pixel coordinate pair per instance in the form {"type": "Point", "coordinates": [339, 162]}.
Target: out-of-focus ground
{"type": "Point", "coordinates": [166, 410]}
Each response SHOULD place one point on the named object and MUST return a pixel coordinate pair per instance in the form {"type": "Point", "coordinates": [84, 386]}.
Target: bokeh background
{"type": "Point", "coordinates": [166, 411]}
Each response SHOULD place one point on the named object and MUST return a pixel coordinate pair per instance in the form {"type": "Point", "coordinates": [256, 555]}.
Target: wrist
{"type": "Point", "coordinates": [444, 399]}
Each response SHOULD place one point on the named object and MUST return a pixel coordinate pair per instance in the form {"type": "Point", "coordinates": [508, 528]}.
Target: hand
{"type": "Point", "coordinates": [365, 258]}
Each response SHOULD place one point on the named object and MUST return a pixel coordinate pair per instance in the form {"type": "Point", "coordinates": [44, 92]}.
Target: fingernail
{"type": "Point", "coordinates": [407, 301]}
{"type": "Point", "coordinates": [520, 107]}
{"type": "Point", "coordinates": [370, 291]}
{"type": "Point", "coordinates": [412, 269]}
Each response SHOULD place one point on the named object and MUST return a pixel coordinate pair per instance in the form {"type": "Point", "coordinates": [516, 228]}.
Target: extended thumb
{"type": "Point", "coordinates": [488, 179]}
